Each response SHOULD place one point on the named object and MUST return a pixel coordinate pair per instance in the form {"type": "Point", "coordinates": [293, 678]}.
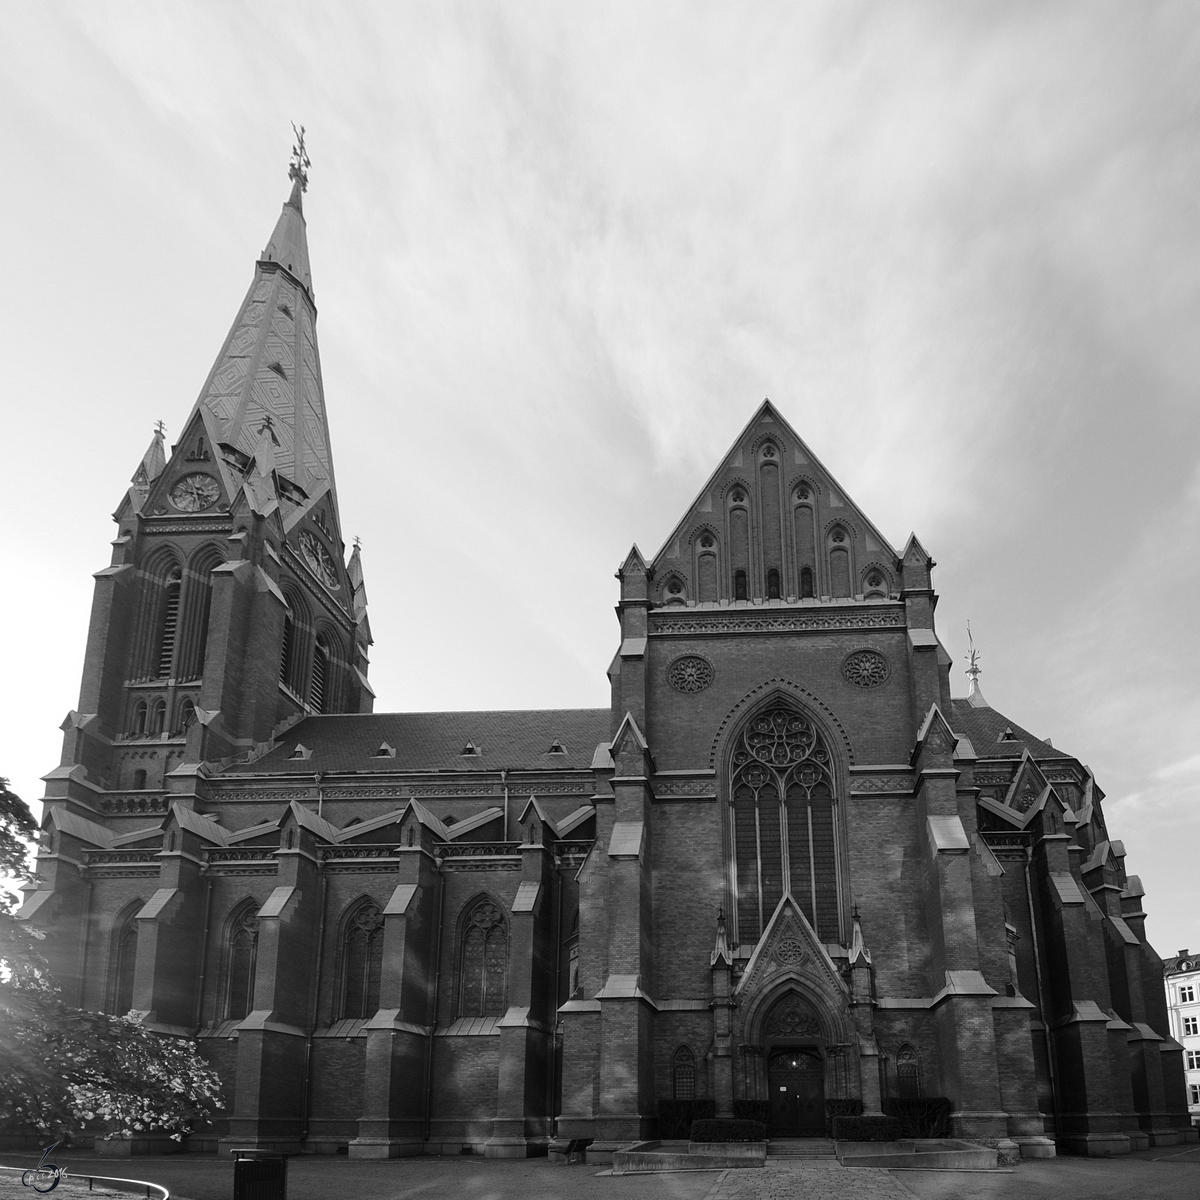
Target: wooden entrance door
{"type": "Point", "coordinates": [797, 1084]}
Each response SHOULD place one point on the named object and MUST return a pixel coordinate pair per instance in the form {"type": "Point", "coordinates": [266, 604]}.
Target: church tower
{"type": "Point", "coordinates": [229, 610]}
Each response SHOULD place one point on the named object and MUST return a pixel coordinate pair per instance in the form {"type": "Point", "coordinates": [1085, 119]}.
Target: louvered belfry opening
{"type": "Point", "coordinates": [782, 790]}
{"type": "Point", "coordinates": [320, 675]}
{"type": "Point", "coordinates": [169, 627]}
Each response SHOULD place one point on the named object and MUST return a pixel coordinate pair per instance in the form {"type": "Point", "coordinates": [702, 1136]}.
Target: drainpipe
{"type": "Point", "coordinates": [203, 954]}
{"type": "Point", "coordinates": [555, 1091]}
{"type": "Point", "coordinates": [437, 980]}
{"type": "Point", "coordinates": [1037, 966]}
{"type": "Point", "coordinates": [312, 1019]}
{"type": "Point", "coordinates": [504, 785]}
{"type": "Point", "coordinates": [320, 794]}
{"type": "Point", "coordinates": [87, 937]}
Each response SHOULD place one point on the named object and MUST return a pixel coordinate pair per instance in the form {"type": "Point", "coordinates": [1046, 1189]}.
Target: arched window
{"type": "Point", "coordinates": [772, 584]}
{"type": "Point", "coordinates": [187, 714]}
{"type": "Point", "coordinates": [197, 604]}
{"type": "Point", "coordinates": [739, 585]}
{"type": "Point", "coordinates": [123, 961]}
{"type": "Point", "coordinates": [839, 563]}
{"type": "Point", "coordinates": [362, 960]}
{"type": "Point", "coordinates": [158, 718]}
{"type": "Point", "coordinates": [320, 674]}
{"type": "Point", "coordinates": [484, 962]}
{"type": "Point", "coordinates": [139, 780]}
{"type": "Point", "coordinates": [168, 628]}
{"type": "Point", "coordinates": [241, 958]}
{"type": "Point", "coordinates": [806, 583]}
{"type": "Point", "coordinates": [781, 778]}
{"type": "Point", "coordinates": [908, 1072]}
{"type": "Point", "coordinates": [140, 718]}
{"type": "Point", "coordinates": [683, 1074]}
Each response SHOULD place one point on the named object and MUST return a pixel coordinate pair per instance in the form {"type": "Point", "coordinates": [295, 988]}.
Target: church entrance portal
{"type": "Point", "coordinates": [797, 1089]}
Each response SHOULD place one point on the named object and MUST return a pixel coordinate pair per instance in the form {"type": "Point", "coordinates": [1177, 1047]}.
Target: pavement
{"type": "Point", "coordinates": [1169, 1173]}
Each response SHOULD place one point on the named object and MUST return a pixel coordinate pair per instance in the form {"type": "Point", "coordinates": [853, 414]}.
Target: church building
{"type": "Point", "coordinates": [784, 865]}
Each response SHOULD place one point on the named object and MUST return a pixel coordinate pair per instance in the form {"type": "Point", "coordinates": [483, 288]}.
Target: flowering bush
{"type": "Point", "coordinates": [63, 1067]}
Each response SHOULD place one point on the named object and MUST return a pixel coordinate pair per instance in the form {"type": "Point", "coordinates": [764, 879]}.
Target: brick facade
{"type": "Point", "coordinates": [485, 931]}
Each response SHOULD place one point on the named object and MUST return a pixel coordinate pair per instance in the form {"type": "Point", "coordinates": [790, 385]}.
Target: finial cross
{"type": "Point", "coordinates": [298, 167]}
{"type": "Point", "coordinates": [160, 427]}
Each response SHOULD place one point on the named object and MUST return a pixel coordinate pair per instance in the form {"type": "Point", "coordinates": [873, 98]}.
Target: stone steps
{"type": "Point", "coordinates": [786, 1149]}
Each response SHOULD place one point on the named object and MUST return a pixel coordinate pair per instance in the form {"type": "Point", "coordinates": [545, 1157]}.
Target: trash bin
{"type": "Point", "coordinates": [259, 1175]}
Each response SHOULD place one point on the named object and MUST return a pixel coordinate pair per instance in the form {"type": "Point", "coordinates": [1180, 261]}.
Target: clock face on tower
{"type": "Point", "coordinates": [195, 493]}
{"type": "Point", "coordinates": [319, 559]}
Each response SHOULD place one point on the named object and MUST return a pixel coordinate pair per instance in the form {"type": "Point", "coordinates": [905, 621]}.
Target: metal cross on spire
{"type": "Point", "coordinates": [160, 427]}
{"type": "Point", "coordinates": [974, 695]}
{"type": "Point", "coordinates": [300, 162]}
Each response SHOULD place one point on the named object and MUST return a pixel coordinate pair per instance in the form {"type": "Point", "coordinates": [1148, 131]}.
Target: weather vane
{"type": "Point", "coordinates": [298, 168]}
{"type": "Point", "coordinates": [973, 669]}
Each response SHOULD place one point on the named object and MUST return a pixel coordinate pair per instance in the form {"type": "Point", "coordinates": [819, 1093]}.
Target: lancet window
{"type": "Point", "coordinates": [124, 961]}
{"type": "Point", "coordinates": [782, 792]}
{"type": "Point", "coordinates": [908, 1073]}
{"type": "Point", "coordinates": [683, 1074]}
{"type": "Point", "coordinates": [241, 959]}
{"type": "Point", "coordinates": [362, 960]}
{"type": "Point", "coordinates": [484, 962]}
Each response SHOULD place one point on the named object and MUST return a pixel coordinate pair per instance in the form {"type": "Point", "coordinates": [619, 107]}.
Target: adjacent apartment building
{"type": "Point", "coordinates": [1182, 975]}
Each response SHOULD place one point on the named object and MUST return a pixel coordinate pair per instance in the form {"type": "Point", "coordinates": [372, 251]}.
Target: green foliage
{"type": "Point", "coordinates": [62, 1068]}
{"type": "Point", "coordinates": [866, 1129]}
{"type": "Point", "coordinates": [728, 1131]}
{"type": "Point", "coordinates": [924, 1117]}
{"type": "Point", "coordinates": [675, 1117]}
{"type": "Point", "coordinates": [851, 1106]}
{"type": "Point", "coordinates": [752, 1110]}
{"type": "Point", "coordinates": [17, 829]}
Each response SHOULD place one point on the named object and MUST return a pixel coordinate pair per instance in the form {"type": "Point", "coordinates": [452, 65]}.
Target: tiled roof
{"type": "Point", "coordinates": [984, 727]}
{"type": "Point", "coordinates": [518, 740]}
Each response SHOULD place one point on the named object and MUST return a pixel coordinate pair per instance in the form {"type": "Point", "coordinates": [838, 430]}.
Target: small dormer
{"type": "Point", "coordinates": [385, 751]}
{"type": "Point", "coordinates": [470, 750]}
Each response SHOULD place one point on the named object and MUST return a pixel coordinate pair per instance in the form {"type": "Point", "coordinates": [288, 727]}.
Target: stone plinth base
{"type": "Point", "coordinates": [1095, 1145]}
{"type": "Point", "coordinates": [386, 1147]}
{"type": "Point", "coordinates": [128, 1147]}
{"type": "Point", "coordinates": [1036, 1147]}
{"type": "Point", "coordinates": [514, 1147]}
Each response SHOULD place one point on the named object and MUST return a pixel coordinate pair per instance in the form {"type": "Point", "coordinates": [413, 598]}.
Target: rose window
{"type": "Point", "coordinates": [691, 673]}
{"type": "Point", "coordinates": [866, 669]}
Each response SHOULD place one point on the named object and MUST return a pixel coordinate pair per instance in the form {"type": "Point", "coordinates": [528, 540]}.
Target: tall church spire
{"type": "Point", "coordinates": [269, 368]}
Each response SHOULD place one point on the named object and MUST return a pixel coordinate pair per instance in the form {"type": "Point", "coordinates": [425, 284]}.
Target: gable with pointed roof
{"type": "Point", "coordinates": [772, 522]}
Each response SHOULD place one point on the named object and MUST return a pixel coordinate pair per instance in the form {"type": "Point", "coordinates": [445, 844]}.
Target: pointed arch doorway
{"type": "Point", "coordinates": [795, 1069]}
{"type": "Point", "coordinates": [796, 1079]}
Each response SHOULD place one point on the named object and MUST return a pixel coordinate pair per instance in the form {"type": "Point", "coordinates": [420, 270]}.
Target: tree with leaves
{"type": "Point", "coordinates": [64, 1068]}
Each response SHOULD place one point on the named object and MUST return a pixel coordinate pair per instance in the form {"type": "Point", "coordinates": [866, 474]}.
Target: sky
{"type": "Point", "coordinates": [562, 252]}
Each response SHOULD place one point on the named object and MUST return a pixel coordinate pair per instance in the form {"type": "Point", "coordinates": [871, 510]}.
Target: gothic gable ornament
{"type": "Point", "coordinates": [789, 949]}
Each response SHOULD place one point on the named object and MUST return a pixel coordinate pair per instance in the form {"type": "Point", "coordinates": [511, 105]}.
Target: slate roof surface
{"type": "Point", "coordinates": [517, 740]}
{"type": "Point", "coordinates": [984, 727]}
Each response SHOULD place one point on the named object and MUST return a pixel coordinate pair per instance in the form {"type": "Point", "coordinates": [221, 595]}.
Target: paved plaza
{"type": "Point", "coordinates": [1167, 1174]}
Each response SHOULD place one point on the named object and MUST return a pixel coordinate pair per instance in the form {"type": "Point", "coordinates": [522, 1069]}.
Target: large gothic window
{"type": "Point", "coordinates": [484, 962]}
{"type": "Point", "coordinates": [168, 624]}
{"type": "Point", "coordinates": [362, 960]}
{"type": "Point", "coordinates": [241, 959]}
{"type": "Point", "coordinates": [124, 961]}
{"type": "Point", "coordinates": [783, 831]}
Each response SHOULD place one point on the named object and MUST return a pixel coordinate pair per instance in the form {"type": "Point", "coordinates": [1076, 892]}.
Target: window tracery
{"type": "Point", "coordinates": [484, 959]}
{"type": "Point", "coordinates": [362, 961]}
{"type": "Point", "coordinates": [782, 792]}
{"type": "Point", "coordinates": [683, 1074]}
{"type": "Point", "coordinates": [242, 957]}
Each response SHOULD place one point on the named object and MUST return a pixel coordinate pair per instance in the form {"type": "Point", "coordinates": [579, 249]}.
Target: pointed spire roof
{"type": "Point", "coordinates": [355, 572]}
{"type": "Point", "coordinates": [152, 464]}
{"type": "Point", "coordinates": [270, 366]}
